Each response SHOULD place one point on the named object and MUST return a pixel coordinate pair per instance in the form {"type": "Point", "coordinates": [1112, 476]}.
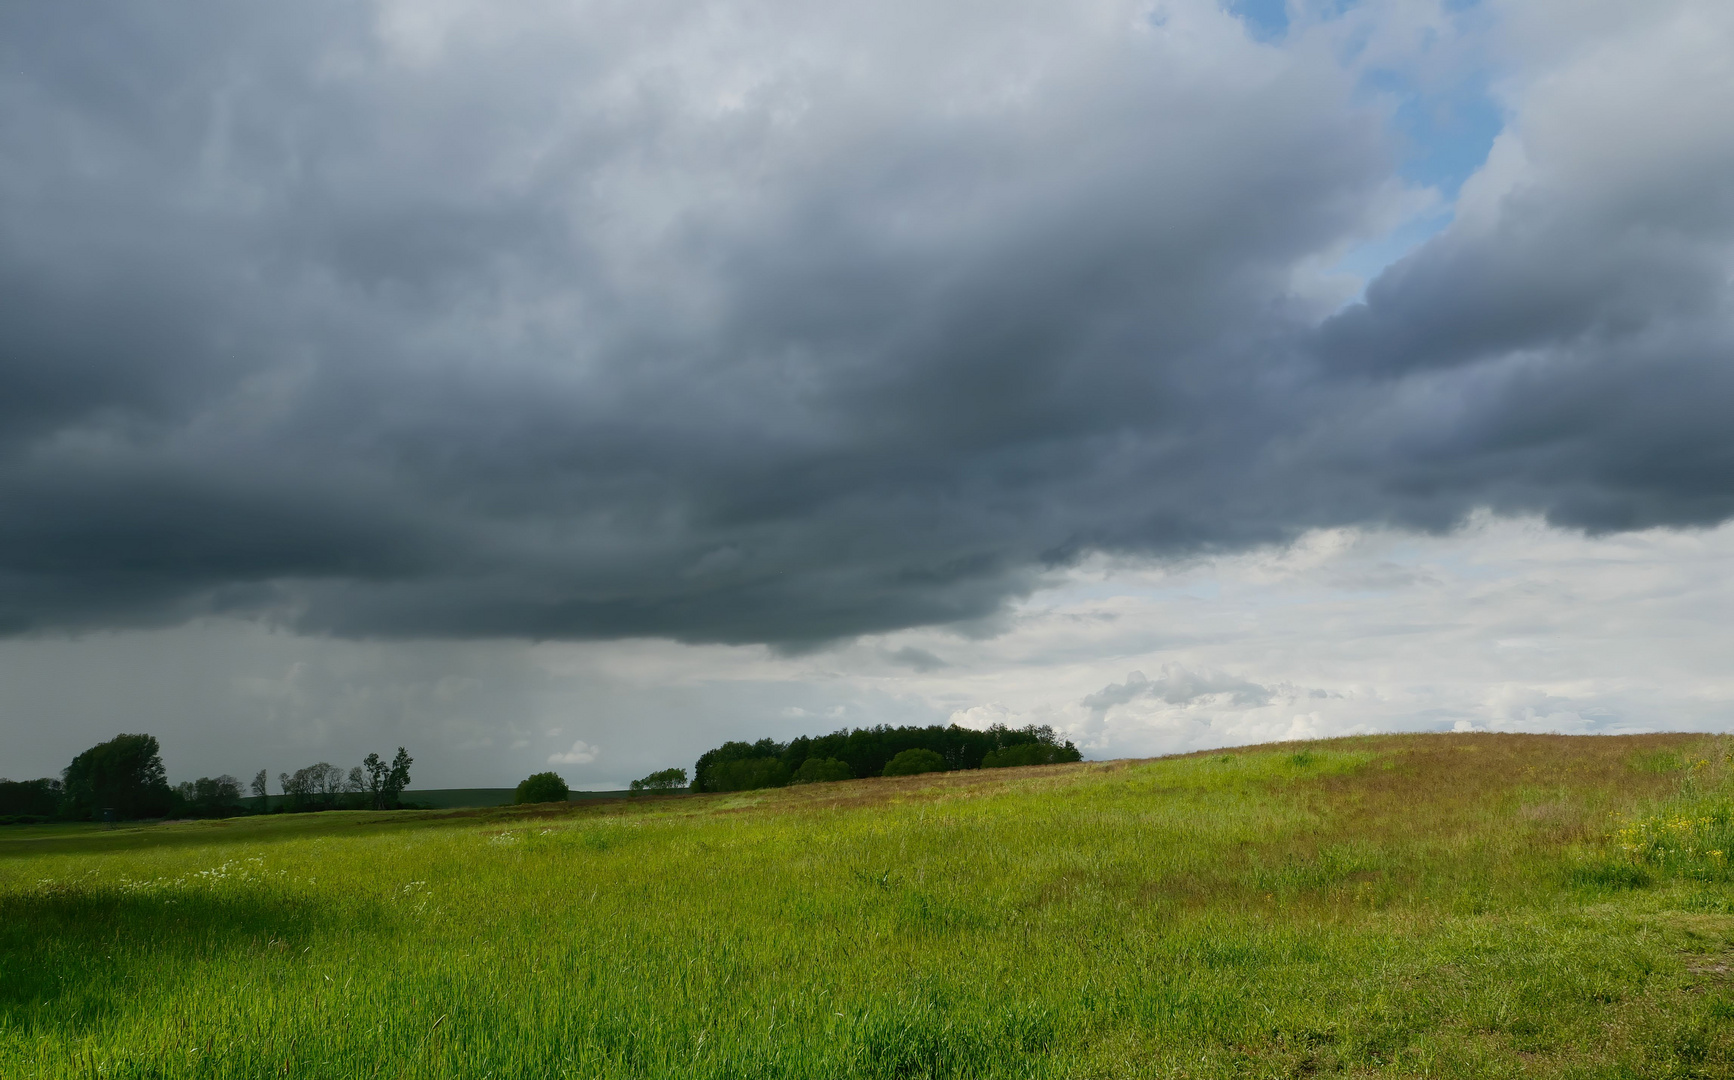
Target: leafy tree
{"type": "Point", "coordinates": [749, 774]}
{"type": "Point", "coordinates": [398, 778]}
{"type": "Point", "coordinates": [709, 773]}
{"type": "Point", "coordinates": [208, 796]}
{"type": "Point", "coordinates": [1036, 753]}
{"type": "Point", "coordinates": [665, 780]}
{"type": "Point", "coordinates": [377, 772]}
{"type": "Point", "coordinates": [317, 787]}
{"type": "Point", "coordinates": [124, 774]}
{"type": "Point", "coordinates": [29, 798]}
{"type": "Point", "coordinates": [542, 787]}
{"type": "Point", "coordinates": [914, 762]}
{"type": "Point", "coordinates": [822, 770]}
{"type": "Point", "coordinates": [868, 750]}
{"type": "Point", "coordinates": [384, 783]}
{"type": "Point", "coordinates": [261, 789]}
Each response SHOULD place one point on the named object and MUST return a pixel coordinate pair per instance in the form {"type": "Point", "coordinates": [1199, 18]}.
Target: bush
{"type": "Point", "coordinates": [821, 771]}
{"type": "Point", "coordinates": [542, 787]}
{"type": "Point", "coordinates": [663, 780]}
{"type": "Point", "coordinates": [914, 762]}
{"type": "Point", "coordinates": [1036, 753]}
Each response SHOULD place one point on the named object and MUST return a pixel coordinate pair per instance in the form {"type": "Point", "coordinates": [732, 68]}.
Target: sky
{"type": "Point", "coordinates": [577, 385]}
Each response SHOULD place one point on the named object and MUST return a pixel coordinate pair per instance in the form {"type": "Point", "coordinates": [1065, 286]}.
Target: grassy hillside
{"type": "Point", "coordinates": [1455, 905]}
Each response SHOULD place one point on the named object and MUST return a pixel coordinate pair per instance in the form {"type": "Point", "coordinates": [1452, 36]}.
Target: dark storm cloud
{"type": "Point", "coordinates": [770, 325]}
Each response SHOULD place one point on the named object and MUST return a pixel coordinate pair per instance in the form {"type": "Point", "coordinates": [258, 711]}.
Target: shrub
{"type": "Point", "coordinates": [822, 770]}
{"type": "Point", "coordinates": [1036, 753]}
{"type": "Point", "coordinates": [664, 780]}
{"type": "Point", "coordinates": [914, 762]}
{"type": "Point", "coordinates": [542, 787]}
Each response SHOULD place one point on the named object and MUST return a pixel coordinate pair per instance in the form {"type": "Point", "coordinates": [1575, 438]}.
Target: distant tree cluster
{"type": "Point", "coordinates": [664, 780]}
{"type": "Point", "coordinates": [875, 751]}
{"type": "Point", "coordinates": [372, 785]}
{"type": "Point", "coordinates": [123, 777]}
{"type": "Point", "coordinates": [29, 801]}
{"type": "Point", "coordinates": [210, 796]}
{"type": "Point", "coordinates": [542, 787]}
{"type": "Point", "coordinates": [123, 780]}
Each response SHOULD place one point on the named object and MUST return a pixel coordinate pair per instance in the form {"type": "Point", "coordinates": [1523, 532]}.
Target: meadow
{"type": "Point", "coordinates": [1425, 905]}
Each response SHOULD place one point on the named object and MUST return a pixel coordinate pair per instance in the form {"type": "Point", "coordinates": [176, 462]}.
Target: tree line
{"type": "Point", "coordinates": [876, 751]}
{"type": "Point", "coordinates": [123, 780]}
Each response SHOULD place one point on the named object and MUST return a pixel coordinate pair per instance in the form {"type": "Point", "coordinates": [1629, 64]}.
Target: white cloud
{"type": "Point", "coordinates": [982, 717]}
{"type": "Point", "coordinates": [582, 753]}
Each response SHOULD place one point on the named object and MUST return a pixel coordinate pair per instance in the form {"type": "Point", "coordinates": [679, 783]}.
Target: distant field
{"type": "Point", "coordinates": [461, 798]}
{"type": "Point", "coordinates": [1443, 906]}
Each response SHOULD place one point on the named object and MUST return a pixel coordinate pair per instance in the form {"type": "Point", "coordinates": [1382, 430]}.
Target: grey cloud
{"type": "Point", "coordinates": [642, 323]}
{"type": "Point", "coordinates": [920, 659]}
{"type": "Point", "coordinates": [1180, 686]}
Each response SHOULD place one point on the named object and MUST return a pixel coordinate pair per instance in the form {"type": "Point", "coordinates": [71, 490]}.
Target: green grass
{"type": "Point", "coordinates": [1458, 905]}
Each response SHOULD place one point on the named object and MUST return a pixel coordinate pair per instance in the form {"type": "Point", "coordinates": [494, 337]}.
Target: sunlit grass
{"type": "Point", "coordinates": [1418, 905]}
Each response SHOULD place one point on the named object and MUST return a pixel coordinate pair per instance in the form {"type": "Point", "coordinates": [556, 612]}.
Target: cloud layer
{"type": "Point", "coordinates": [1506, 625]}
{"type": "Point", "coordinates": [777, 322]}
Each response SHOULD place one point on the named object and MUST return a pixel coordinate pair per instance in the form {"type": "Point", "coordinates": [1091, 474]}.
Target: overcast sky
{"type": "Point", "coordinates": [576, 385]}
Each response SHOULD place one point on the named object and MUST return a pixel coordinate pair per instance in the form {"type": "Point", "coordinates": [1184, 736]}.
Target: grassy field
{"type": "Point", "coordinates": [1445, 905]}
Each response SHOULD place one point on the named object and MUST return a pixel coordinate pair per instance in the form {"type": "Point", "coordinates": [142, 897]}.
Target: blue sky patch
{"type": "Point", "coordinates": [1266, 20]}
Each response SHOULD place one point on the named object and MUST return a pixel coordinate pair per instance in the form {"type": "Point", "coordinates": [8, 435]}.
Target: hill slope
{"type": "Point", "coordinates": [1449, 905]}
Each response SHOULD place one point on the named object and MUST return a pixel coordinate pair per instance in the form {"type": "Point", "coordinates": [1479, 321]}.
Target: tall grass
{"type": "Point", "coordinates": [1418, 905]}
{"type": "Point", "coordinates": [1691, 835]}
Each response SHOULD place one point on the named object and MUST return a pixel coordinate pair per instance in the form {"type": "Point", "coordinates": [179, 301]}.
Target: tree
{"type": "Point", "coordinates": [383, 783]}
{"type": "Point", "coordinates": [541, 788]}
{"type": "Point", "coordinates": [124, 774]}
{"type": "Point", "coordinates": [914, 762]}
{"type": "Point", "coordinates": [822, 770]}
{"type": "Point", "coordinates": [710, 766]}
{"type": "Point", "coordinates": [398, 778]}
{"type": "Point", "coordinates": [867, 750]}
{"type": "Point", "coordinates": [261, 789]}
{"type": "Point", "coordinates": [316, 787]}
{"type": "Point", "coordinates": [665, 780]}
{"type": "Point", "coordinates": [329, 781]}
{"type": "Point", "coordinates": [377, 772]}
{"type": "Point", "coordinates": [749, 775]}
{"type": "Point", "coordinates": [1036, 753]}
{"type": "Point", "coordinates": [29, 798]}
{"type": "Point", "coordinates": [210, 796]}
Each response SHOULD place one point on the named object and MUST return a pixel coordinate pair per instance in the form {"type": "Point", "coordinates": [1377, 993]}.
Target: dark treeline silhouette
{"type": "Point", "coordinates": [372, 785]}
{"type": "Point", "coordinates": [123, 780]}
{"type": "Point", "coordinates": [846, 754]}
